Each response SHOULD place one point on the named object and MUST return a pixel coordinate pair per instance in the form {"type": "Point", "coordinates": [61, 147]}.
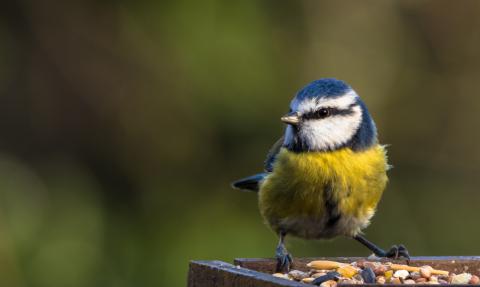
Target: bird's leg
{"type": "Point", "coordinates": [284, 259]}
{"type": "Point", "coordinates": [395, 252]}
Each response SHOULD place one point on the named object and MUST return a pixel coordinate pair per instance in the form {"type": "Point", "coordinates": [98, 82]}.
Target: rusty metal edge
{"type": "Point", "coordinates": [216, 273]}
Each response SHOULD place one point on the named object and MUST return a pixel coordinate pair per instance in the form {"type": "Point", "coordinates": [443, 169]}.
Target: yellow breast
{"type": "Point", "coordinates": [294, 193]}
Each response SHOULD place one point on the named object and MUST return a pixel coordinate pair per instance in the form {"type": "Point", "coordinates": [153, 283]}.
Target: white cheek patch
{"type": "Point", "coordinates": [331, 132]}
{"type": "Point", "coordinates": [341, 102]}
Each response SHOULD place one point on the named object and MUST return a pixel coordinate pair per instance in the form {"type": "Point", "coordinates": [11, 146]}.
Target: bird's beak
{"type": "Point", "coordinates": [292, 118]}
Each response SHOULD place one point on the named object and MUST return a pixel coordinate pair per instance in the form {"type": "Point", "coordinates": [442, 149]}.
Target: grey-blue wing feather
{"type": "Point", "coordinates": [252, 183]}
{"type": "Point", "coordinates": [272, 154]}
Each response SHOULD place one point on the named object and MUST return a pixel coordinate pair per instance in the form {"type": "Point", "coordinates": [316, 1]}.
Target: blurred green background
{"type": "Point", "coordinates": [122, 124]}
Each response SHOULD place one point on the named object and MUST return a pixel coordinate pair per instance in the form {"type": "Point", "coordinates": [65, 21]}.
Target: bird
{"type": "Point", "coordinates": [325, 176]}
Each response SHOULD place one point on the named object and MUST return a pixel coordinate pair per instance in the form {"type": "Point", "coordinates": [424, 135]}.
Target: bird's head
{"type": "Point", "coordinates": [327, 115]}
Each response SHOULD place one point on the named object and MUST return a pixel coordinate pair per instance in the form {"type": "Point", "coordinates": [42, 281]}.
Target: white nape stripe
{"type": "Point", "coordinates": [340, 102]}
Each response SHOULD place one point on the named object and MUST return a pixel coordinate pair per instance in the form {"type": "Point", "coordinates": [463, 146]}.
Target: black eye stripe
{"type": "Point", "coordinates": [320, 114]}
{"type": "Point", "coordinates": [345, 112]}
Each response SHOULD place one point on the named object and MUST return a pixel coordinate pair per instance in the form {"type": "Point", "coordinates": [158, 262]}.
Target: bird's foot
{"type": "Point", "coordinates": [284, 260]}
{"type": "Point", "coordinates": [397, 252]}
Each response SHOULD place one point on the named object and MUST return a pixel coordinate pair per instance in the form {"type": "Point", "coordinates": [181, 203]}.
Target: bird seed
{"type": "Point", "coordinates": [327, 273]}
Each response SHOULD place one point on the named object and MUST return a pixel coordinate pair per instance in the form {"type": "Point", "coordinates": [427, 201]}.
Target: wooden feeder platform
{"type": "Point", "coordinates": [249, 272]}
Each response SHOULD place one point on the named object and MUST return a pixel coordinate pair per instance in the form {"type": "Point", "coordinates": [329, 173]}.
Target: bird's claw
{"type": "Point", "coordinates": [284, 260]}
{"type": "Point", "coordinates": [397, 252]}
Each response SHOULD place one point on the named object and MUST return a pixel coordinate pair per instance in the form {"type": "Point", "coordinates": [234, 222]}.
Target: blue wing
{"type": "Point", "coordinates": [252, 183]}
{"type": "Point", "coordinates": [272, 154]}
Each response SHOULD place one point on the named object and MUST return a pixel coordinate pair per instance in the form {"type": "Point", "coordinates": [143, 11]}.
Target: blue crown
{"type": "Point", "coordinates": [328, 87]}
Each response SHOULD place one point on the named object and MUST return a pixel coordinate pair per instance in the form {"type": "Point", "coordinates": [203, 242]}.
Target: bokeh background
{"type": "Point", "coordinates": [122, 124]}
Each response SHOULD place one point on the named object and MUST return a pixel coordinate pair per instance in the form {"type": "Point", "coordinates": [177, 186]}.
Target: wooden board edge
{"type": "Point", "coordinates": [203, 273]}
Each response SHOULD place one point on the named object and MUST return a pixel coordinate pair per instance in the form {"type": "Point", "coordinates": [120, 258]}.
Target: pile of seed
{"type": "Point", "coordinates": [330, 273]}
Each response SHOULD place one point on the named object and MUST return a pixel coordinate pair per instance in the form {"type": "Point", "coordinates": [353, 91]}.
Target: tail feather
{"type": "Point", "coordinates": [251, 183]}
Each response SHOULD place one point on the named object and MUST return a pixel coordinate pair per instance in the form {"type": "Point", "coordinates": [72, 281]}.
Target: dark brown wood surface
{"type": "Point", "coordinates": [251, 272]}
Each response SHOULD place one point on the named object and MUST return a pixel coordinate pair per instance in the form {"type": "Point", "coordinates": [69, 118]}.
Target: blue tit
{"type": "Point", "coordinates": [326, 175]}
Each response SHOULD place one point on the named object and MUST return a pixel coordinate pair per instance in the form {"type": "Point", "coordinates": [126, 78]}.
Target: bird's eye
{"type": "Point", "coordinates": [323, 113]}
